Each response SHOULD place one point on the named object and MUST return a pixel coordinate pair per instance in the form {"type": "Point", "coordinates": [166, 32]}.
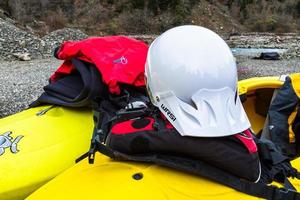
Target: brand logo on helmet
{"type": "Point", "coordinates": [123, 60]}
{"type": "Point", "coordinates": [168, 112]}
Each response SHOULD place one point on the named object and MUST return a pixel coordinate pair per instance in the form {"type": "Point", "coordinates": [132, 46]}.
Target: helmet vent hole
{"type": "Point", "coordinates": [212, 115]}
{"type": "Point", "coordinates": [194, 105]}
{"type": "Point", "coordinates": [235, 96]}
{"type": "Point", "coordinates": [190, 102]}
{"type": "Point", "coordinates": [230, 112]}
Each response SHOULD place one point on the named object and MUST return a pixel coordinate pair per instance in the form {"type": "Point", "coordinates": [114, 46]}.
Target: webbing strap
{"type": "Point", "coordinates": [211, 172]}
{"type": "Point", "coordinates": [289, 185]}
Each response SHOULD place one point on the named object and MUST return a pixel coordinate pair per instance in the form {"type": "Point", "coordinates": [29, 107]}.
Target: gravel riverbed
{"type": "Point", "coordinates": [22, 82]}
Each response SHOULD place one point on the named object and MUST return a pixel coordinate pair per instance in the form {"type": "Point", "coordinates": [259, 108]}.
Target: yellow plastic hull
{"type": "Point", "coordinates": [108, 179]}
{"type": "Point", "coordinates": [48, 144]}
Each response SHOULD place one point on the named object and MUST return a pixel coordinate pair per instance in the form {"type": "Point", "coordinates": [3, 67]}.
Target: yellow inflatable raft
{"type": "Point", "coordinates": [39, 143]}
{"type": "Point", "coordinates": [109, 179]}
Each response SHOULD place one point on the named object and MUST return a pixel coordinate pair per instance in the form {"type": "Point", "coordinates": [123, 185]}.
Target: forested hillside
{"type": "Point", "coordinates": [153, 16]}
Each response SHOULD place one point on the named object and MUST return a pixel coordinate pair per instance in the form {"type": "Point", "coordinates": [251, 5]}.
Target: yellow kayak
{"type": "Point", "coordinates": [109, 179]}
{"type": "Point", "coordinates": [39, 143]}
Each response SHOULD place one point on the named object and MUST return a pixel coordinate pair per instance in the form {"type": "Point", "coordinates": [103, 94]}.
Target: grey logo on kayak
{"type": "Point", "coordinates": [6, 141]}
{"type": "Point", "coordinates": [123, 60]}
{"type": "Point", "coordinates": [168, 112]}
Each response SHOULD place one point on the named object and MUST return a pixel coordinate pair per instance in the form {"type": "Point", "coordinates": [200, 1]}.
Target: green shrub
{"type": "Point", "coordinates": [271, 23]}
{"type": "Point", "coordinates": [55, 20]}
{"type": "Point", "coordinates": [112, 27]}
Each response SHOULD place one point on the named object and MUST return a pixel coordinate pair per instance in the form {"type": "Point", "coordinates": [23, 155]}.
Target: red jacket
{"type": "Point", "coordinates": [118, 58]}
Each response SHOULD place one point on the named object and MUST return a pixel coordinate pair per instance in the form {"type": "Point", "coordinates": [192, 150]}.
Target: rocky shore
{"type": "Point", "coordinates": [16, 43]}
{"type": "Point", "coordinates": [288, 41]}
{"type": "Point", "coordinates": [21, 82]}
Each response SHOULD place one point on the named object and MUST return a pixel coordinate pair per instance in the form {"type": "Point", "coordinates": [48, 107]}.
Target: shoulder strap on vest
{"type": "Point", "coordinates": [106, 114]}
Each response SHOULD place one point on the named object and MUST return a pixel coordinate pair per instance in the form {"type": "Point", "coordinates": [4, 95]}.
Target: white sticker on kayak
{"type": "Point", "coordinates": [6, 141]}
{"type": "Point", "coordinates": [282, 77]}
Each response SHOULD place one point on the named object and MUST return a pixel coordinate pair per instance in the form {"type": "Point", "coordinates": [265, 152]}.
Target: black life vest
{"type": "Point", "coordinates": [236, 154]}
{"type": "Point", "coordinates": [127, 129]}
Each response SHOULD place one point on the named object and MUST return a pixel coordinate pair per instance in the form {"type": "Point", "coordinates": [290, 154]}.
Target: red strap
{"type": "Point", "coordinates": [247, 139]}
{"type": "Point", "coordinates": [126, 127]}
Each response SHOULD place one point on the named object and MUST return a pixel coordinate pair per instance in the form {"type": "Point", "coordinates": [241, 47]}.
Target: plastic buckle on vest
{"type": "Point", "coordinates": [94, 145]}
{"type": "Point", "coordinates": [285, 194]}
{"type": "Point", "coordinates": [91, 153]}
{"type": "Point", "coordinates": [99, 137]}
{"type": "Point", "coordinates": [91, 158]}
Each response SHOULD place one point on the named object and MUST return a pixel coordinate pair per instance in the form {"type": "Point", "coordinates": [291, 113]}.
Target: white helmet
{"type": "Point", "coordinates": [191, 76]}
